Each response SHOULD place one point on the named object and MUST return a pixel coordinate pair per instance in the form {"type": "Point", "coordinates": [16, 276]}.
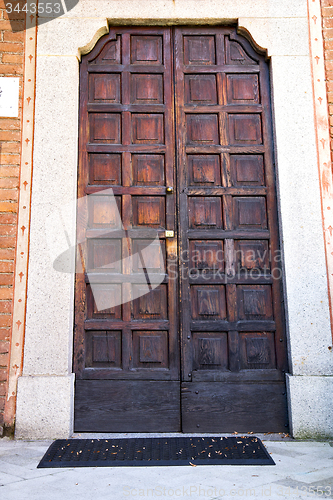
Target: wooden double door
{"type": "Point", "coordinates": [179, 316]}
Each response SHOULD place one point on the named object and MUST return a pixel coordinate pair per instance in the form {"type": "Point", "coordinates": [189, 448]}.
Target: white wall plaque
{"type": "Point", "coordinates": [9, 96]}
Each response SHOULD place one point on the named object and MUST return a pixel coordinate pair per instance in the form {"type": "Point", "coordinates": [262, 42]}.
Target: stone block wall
{"type": "Point", "coordinates": [11, 64]}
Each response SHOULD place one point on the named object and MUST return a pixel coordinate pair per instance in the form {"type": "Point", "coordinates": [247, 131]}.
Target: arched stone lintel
{"type": "Point", "coordinates": [103, 30]}
{"type": "Point", "coordinates": [242, 30]}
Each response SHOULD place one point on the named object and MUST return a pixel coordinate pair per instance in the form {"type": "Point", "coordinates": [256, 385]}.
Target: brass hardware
{"type": "Point", "coordinates": [169, 189]}
{"type": "Point", "coordinates": [172, 248]}
{"type": "Point", "coordinates": [169, 234]}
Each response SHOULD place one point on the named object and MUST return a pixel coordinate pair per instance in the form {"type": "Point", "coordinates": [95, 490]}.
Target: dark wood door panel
{"type": "Point", "coordinates": [176, 135]}
{"type": "Point", "coordinates": [242, 407]}
{"type": "Point", "coordinates": [231, 317]}
{"type": "Point", "coordinates": [126, 318]}
{"type": "Point", "coordinates": [126, 406]}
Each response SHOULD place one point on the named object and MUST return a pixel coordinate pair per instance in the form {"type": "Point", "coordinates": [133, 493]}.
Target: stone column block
{"type": "Point", "coordinates": [45, 407]}
{"type": "Point", "coordinates": [310, 402]}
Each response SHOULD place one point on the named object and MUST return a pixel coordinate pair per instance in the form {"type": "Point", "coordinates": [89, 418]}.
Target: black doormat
{"type": "Point", "coordinates": [144, 451]}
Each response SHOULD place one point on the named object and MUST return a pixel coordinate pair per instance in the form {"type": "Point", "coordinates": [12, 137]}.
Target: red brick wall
{"type": "Point", "coordinates": [327, 14]}
{"type": "Point", "coordinates": [11, 64]}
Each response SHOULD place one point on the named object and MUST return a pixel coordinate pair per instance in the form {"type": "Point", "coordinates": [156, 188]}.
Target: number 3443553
{"type": "Point", "coordinates": [33, 8]}
{"type": "Point", "coordinates": [319, 491]}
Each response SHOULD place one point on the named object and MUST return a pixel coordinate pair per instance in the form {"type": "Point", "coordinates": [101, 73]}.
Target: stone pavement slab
{"type": "Point", "coordinates": [303, 470]}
